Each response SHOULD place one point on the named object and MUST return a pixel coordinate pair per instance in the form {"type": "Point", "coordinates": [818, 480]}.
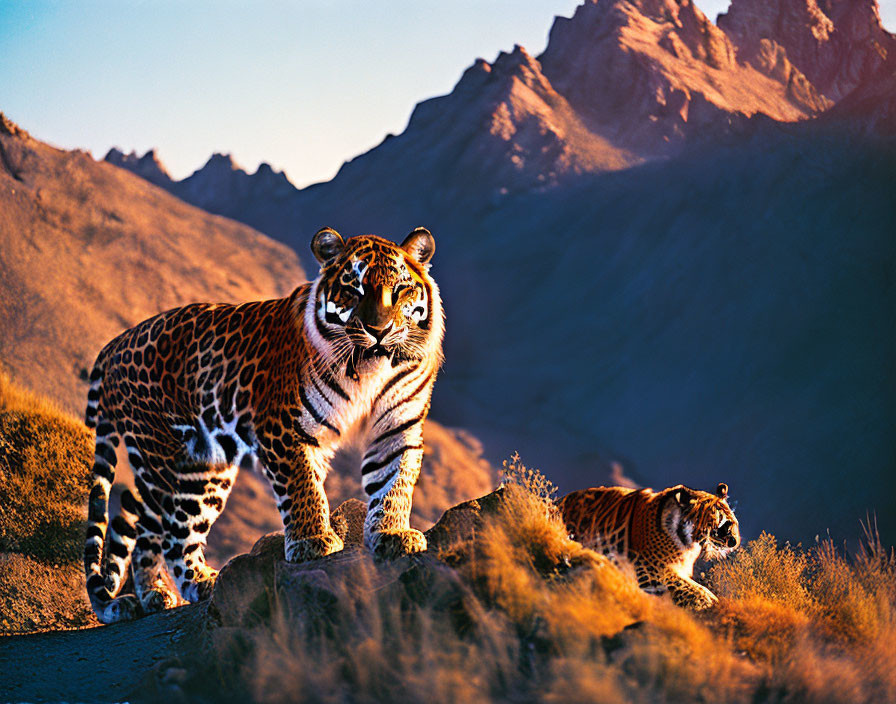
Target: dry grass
{"type": "Point", "coordinates": [45, 460]}
{"type": "Point", "coordinates": [821, 622]}
{"type": "Point", "coordinates": [526, 614]}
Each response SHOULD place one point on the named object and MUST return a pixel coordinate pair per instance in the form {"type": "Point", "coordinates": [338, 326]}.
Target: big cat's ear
{"type": "Point", "coordinates": [683, 496]}
{"type": "Point", "coordinates": [420, 244]}
{"type": "Point", "coordinates": [722, 490]}
{"type": "Point", "coordinates": [327, 244]}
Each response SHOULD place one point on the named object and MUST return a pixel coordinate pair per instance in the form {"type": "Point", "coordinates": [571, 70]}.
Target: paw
{"type": "Point", "coordinates": [201, 587]}
{"type": "Point", "coordinates": [122, 608]}
{"type": "Point", "coordinates": [704, 601]}
{"type": "Point", "coordinates": [694, 599]}
{"type": "Point", "coordinates": [392, 545]}
{"type": "Point", "coordinates": [312, 548]}
{"type": "Point", "coordinates": [158, 599]}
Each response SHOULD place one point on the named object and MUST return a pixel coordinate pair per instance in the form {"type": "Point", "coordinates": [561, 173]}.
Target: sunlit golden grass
{"type": "Point", "coordinates": [525, 614]}
{"type": "Point", "coordinates": [45, 459]}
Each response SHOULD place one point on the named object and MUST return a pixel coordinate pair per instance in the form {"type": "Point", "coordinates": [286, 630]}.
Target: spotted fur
{"type": "Point", "coordinates": [660, 533]}
{"type": "Point", "coordinates": [198, 392]}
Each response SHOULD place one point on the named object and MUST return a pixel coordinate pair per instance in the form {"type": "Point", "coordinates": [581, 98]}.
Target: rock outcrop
{"type": "Point", "coordinates": [654, 72]}
{"type": "Point", "coordinates": [148, 166]}
{"type": "Point", "coordinates": [836, 44]}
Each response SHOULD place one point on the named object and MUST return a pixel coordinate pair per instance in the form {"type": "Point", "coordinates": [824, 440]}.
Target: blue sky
{"type": "Point", "coordinates": [301, 85]}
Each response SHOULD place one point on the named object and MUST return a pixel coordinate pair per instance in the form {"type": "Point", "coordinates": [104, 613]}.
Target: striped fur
{"type": "Point", "coordinates": [195, 394]}
{"type": "Point", "coordinates": [661, 534]}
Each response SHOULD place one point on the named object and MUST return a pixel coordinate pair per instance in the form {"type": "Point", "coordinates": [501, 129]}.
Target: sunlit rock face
{"type": "Point", "coordinates": [836, 44]}
{"type": "Point", "coordinates": [653, 72]}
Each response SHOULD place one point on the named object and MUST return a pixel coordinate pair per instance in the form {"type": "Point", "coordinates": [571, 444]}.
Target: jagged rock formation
{"type": "Point", "coordinates": [148, 166]}
{"type": "Point", "coordinates": [502, 125]}
{"type": "Point", "coordinates": [836, 44]}
{"type": "Point", "coordinates": [656, 71]}
{"type": "Point", "coordinates": [220, 186]}
{"type": "Point", "coordinates": [223, 185]}
{"type": "Point", "coordinates": [619, 82]}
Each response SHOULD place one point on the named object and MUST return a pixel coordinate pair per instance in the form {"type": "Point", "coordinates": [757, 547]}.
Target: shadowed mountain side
{"type": "Point", "coordinates": [726, 315]}
{"type": "Point", "coordinates": [89, 249]}
{"type": "Point", "coordinates": [871, 106]}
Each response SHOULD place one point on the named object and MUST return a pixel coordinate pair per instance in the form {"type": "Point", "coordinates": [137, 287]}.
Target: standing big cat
{"type": "Point", "coordinates": [198, 392]}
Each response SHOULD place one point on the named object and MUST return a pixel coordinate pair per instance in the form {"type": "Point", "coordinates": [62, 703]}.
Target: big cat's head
{"type": "Point", "coordinates": [375, 298]}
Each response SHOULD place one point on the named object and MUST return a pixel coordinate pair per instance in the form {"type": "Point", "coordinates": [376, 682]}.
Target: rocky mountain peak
{"type": "Point", "coordinates": [267, 177]}
{"type": "Point", "coordinates": [650, 72]}
{"type": "Point", "coordinates": [221, 163]}
{"type": "Point", "coordinates": [836, 44]}
{"type": "Point", "coordinates": [9, 127]}
{"type": "Point", "coordinates": [148, 166]}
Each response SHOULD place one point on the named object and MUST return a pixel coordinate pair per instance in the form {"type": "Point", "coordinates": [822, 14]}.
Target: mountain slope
{"type": "Point", "coordinates": [89, 249]}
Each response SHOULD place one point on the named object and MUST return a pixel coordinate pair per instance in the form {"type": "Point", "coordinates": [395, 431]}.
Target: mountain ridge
{"type": "Point", "coordinates": [619, 82]}
{"type": "Point", "coordinates": [715, 313]}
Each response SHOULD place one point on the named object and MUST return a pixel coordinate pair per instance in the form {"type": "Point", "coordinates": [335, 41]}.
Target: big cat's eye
{"type": "Point", "coordinates": [397, 291]}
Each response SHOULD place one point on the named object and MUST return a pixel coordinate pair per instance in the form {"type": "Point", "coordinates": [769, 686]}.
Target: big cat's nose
{"type": "Point", "coordinates": [734, 539]}
{"type": "Point", "coordinates": [377, 331]}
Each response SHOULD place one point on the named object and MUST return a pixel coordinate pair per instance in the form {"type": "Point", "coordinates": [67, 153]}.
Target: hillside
{"type": "Point", "coordinates": [722, 313]}
{"type": "Point", "coordinates": [89, 249]}
{"type": "Point", "coordinates": [45, 459]}
{"type": "Point", "coordinates": [503, 607]}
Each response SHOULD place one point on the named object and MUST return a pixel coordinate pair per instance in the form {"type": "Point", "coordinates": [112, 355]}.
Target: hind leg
{"type": "Point", "coordinates": [148, 564]}
{"type": "Point", "coordinates": [105, 573]}
{"type": "Point", "coordinates": [202, 494]}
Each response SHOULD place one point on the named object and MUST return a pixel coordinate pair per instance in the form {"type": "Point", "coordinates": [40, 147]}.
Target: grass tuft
{"type": "Point", "coordinates": [45, 459]}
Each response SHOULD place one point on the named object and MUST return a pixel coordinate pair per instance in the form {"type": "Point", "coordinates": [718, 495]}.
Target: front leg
{"type": "Point", "coordinates": [297, 467]}
{"type": "Point", "coordinates": [689, 594]}
{"type": "Point", "coordinates": [392, 464]}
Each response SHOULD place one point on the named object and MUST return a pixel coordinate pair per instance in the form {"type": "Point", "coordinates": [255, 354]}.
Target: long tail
{"type": "Point", "coordinates": [107, 553]}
